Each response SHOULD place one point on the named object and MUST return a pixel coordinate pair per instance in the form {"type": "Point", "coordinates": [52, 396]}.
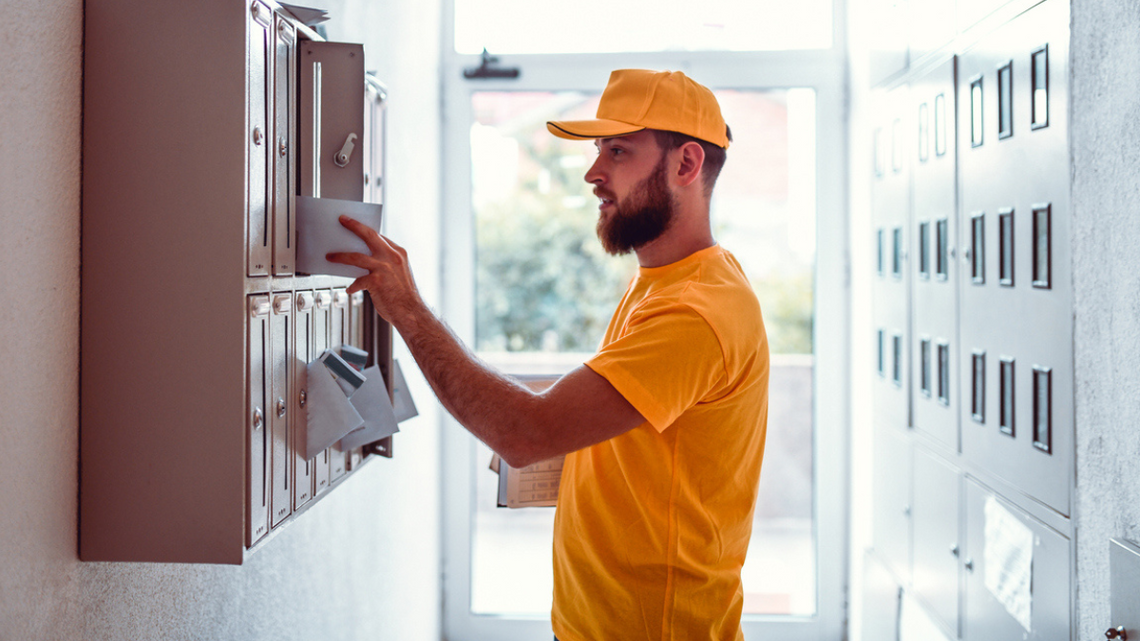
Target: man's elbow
{"type": "Point", "coordinates": [520, 457]}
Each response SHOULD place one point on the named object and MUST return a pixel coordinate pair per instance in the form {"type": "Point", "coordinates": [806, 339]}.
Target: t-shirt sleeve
{"type": "Point", "coordinates": [667, 359]}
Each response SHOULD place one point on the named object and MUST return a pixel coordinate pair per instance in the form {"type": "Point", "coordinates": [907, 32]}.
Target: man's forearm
{"type": "Point", "coordinates": [495, 408]}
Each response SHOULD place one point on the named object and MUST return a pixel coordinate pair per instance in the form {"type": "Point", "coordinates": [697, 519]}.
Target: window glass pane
{"type": "Point", "coordinates": [545, 291]}
{"type": "Point", "coordinates": [603, 26]}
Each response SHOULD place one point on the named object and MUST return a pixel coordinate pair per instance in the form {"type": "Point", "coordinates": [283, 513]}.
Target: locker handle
{"type": "Point", "coordinates": [343, 156]}
{"type": "Point", "coordinates": [258, 418]}
{"type": "Point", "coordinates": [1117, 633]}
{"type": "Point", "coordinates": [954, 549]}
{"type": "Point", "coordinates": [280, 408]}
{"type": "Point", "coordinates": [304, 398]}
{"type": "Point", "coordinates": [969, 565]}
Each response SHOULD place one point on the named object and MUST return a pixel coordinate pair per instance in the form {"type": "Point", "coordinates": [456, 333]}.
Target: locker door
{"type": "Point", "coordinates": [986, 616]}
{"type": "Point", "coordinates": [933, 270]}
{"type": "Point", "coordinates": [332, 120]}
{"type": "Point", "coordinates": [937, 541]}
{"type": "Point", "coordinates": [1016, 299]}
{"type": "Point", "coordinates": [338, 328]}
{"type": "Point", "coordinates": [302, 354]}
{"type": "Point", "coordinates": [284, 251]}
{"type": "Point", "coordinates": [356, 339]}
{"type": "Point", "coordinates": [280, 357]}
{"type": "Point", "coordinates": [376, 97]}
{"type": "Point", "coordinates": [892, 500]}
{"type": "Point", "coordinates": [258, 340]}
{"type": "Point", "coordinates": [257, 117]}
{"type": "Point", "coordinates": [322, 306]}
{"type": "Point", "coordinates": [882, 596]}
{"type": "Point", "coordinates": [890, 213]}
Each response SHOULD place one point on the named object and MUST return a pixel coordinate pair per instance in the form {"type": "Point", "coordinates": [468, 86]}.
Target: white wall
{"type": "Point", "coordinates": [364, 562]}
{"type": "Point", "coordinates": [1105, 138]}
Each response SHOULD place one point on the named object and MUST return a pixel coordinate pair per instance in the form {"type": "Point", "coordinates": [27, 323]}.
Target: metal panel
{"type": "Point", "coordinates": [284, 160]}
{"type": "Point", "coordinates": [332, 120]}
{"type": "Point", "coordinates": [937, 540]}
{"type": "Point", "coordinates": [892, 502]}
{"type": "Point", "coordinates": [338, 330]}
{"type": "Point", "coordinates": [935, 304]}
{"type": "Point", "coordinates": [257, 117]}
{"type": "Point", "coordinates": [302, 354]}
{"type": "Point", "coordinates": [375, 119]}
{"type": "Point", "coordinates": [1124, 566]}
{"type": "Point", "coordinates": [322, 307]}
{"type": "Point", "coordinates": [985, 618]}
{"type": "Point", "coordinates": [1005, 313]}
{"type": "Point", "coordinates": [890, 211]}
{"type": "Point", "coordinates": [258, 472]}
{"type": "Point", "coordinates": [280, 356]}
{"type": "Point", "coordinates": [881, 598]}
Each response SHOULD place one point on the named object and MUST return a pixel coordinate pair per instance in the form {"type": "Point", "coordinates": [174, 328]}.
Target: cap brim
{"type": "Point", "coordinates": [591, 129]}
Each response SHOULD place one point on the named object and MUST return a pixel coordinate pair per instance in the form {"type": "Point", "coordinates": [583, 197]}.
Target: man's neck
{"type": "Point", "coordinates": [686, 237]}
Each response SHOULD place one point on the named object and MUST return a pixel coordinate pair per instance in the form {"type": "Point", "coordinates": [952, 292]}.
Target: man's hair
{"type": "Point", "coordinates": [714, 155]}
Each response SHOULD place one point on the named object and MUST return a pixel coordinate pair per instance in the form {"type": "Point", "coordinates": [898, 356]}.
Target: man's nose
{"type": "Point", "coordinates": [595, 174]}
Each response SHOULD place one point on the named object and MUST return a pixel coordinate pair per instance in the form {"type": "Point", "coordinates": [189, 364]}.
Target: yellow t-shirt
{"type": "Point", "coordinates": [652, 525]}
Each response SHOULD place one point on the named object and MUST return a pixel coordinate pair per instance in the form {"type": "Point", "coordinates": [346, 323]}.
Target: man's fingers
{"type": "Point", "coordinates": [370, 236]}
{"type": "Point", "coordinates": [350, 258]}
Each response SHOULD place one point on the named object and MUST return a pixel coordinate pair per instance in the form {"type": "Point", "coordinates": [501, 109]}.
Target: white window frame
{"type": "Point", "coordinates": [825, 72]}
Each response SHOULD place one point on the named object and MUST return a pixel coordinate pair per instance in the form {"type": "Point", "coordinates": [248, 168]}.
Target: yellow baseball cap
{"type": "Point", "coordinates": [637, 99]}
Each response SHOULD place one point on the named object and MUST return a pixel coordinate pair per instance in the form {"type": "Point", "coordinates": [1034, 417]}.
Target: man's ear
{"type": "Point", "coordinates": [692, 160]}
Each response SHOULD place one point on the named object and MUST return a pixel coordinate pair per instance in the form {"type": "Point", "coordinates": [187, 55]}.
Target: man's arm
{"type": "Point", "coordinates": [522, 426]}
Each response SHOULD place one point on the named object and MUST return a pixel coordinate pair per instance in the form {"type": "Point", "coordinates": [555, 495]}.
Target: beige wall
{"type": "Point", "coordinates": [364, 562]}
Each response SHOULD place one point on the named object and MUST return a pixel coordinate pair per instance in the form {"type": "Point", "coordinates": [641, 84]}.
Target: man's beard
{"type": "Point", "coordinates": [644, 215]}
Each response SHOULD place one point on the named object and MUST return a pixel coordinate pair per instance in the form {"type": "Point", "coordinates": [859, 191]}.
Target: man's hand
{"type": "Point", "coordinates": [389, 283]}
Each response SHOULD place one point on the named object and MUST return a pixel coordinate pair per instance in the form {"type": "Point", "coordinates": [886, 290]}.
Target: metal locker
{"type": "Point", "coordinates": [322, 307]}
{"type": "Point", "coordinates": [338, 330]}
{"type": "Point", "coordinates": [934, 272]}
{"type": "Point", "coordinates": [936, 547]}
{"type": "Point", "coordinates": [258, 107]}
{"type": "Point", "coordinates": [890, 213]}
{"type": "Point", "coordinates": [996, 532]}
{"type": "Point", "coordinates": [302, 354]}
{"type": "Point", "coordinates": [284, 160]}
{"type": "Point", "coordinates": [258, 472]}
{"type": "Point", "coordinates": [892, 500]}
{"type": "Point", "coordinates": [882, 597]}
{"type": "Point", "coordinates": [356, 339]}
{"type": "Point", "coordinates": [1124, 571]}
{"type": "Point", "coordinates": [376, 97]}
{"type": "Point", "coordinates": [332, 120]}
{"type": "Point", "coordinates": [1015, 294]}
{"type": "Point", "coordinates": [280, 355]}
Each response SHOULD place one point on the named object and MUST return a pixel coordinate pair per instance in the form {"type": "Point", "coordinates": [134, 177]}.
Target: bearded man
{"type": "Point", "coordinates": [664, 427]}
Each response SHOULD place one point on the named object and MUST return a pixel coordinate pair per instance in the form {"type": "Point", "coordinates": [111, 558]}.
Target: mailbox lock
{"type": "Point", "coordinates": [304, 398]}
{"type": "Point", "coordinates": [282, 146]}
{"type": "Point", "coordinates": [257, 136]}
{"type": "Point", "coordinates": [345, 154]}
{"type": "Point", "coordinates": [280, 408]}
{"type": "Point", "coordinates": [1117, 633]}
{"type": "Point", "coordinates": [258, 418]}
{"type": "Point", "coordinates": [954, 549]}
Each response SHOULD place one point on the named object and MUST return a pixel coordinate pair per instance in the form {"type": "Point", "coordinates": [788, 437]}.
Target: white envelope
{"type": "Point", "coordinates": [372, 403]}
{"type": "Point", "coordinates": [330, 414]}
{"type": "Point", "coordinates": [319, 232]}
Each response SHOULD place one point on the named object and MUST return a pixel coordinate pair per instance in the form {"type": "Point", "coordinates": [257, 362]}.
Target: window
{"type": "Point", "coordinates": [1005, 247]}
{"type": "Point", "coordinates": [978, 248]}
{"type": "Point", "coordinates": [924, 249]}
{"type": "Point", "coordinates": [924, 364]}
{"type": "Point", "coordinates": [940, 133]}
{"type": "Point", "coordinates": [1042, 246]}
{"type": "Point", "coordinates": [1043, 408]}
{"type": "Point", "coordinates": [942, 249]}
{"type": "Point", "coordinates": [1039, 63]}
{"type": "Point", "coordinates": [978, 380]}
{"type": "Point", "coordinates": [944, 373]}
{"type": "Point", "coordinates": [1006, 424]}
{"type": "Point", "coordinates": [977, 131]}
{"type": "Point", "coordinates": [1005, 100]}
